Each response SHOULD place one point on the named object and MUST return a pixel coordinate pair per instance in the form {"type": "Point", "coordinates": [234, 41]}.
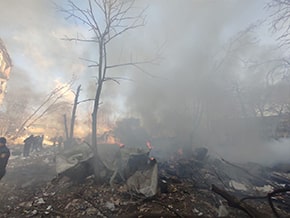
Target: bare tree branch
{"type": "Point", "coordinates": [107, 19]}
{"type": "Point", "coordinates": [78, 39]}
{"type": "Point", "coordinates": [49, 102]}
{"type": "Point", "coordinates": [86, 100]}
{"type": "Point", "coordinates": [280, 17]}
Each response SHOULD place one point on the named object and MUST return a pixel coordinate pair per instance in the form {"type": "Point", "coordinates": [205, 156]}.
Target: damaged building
{"type": "Point", "coordinates": [5, 69]}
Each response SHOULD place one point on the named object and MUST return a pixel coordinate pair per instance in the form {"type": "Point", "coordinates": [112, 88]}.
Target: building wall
{"type": "Point", "coordinates": [5, 69]}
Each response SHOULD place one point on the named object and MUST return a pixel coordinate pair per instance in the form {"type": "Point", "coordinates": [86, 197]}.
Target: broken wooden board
{"type": "Point", "coordinates": [120, 162]}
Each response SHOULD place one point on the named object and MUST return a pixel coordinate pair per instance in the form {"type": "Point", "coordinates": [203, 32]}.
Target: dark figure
{"type": "Point", "coordinates": [28, 142]}
{"type": "Point", "coordinates": [37, 143]}
{"type": "Point", "coordinates": [54, 139]}
{"type": "Point", "coordinates": [4, 156]}
{"type": "Point", "coordinates": [34, 142]}
{"type": "Point", "coordinates": [40, 142]}
{"type": "Point", "coordinates": [59, 141]}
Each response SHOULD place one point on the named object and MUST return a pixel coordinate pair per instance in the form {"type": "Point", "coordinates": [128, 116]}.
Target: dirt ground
{"type": "Point", "coordinates": [24, 178]}
{"type": "Point", "coordinates": [31, 189]}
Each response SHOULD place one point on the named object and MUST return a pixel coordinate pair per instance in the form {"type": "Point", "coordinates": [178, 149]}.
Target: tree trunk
{"type": "Point", "coordinates": [65, 127]}
{"type": "Point", "coordinates": [236, 203]}
{"type": "Point", "coordinates": [73, 116]}
{"type": "Point", "coordinates": [97, 164]}
{"type": "Point", "coordinates": [117, 19]}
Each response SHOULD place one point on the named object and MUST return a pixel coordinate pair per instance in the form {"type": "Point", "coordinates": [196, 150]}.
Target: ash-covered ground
{"type": "Point", "coordinates": [31, 188]}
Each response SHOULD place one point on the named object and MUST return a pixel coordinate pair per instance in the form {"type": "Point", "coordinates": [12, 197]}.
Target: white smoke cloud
{"type": "Point", "coordinates": [32, 31]}
{"type": "Point", "coordinates": [188, 34]}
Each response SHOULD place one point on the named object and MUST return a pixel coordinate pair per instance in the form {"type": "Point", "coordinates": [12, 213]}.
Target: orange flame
{"type": "Point", "coordinates": [111, 140]}
{"type": "Point", "coordinates": [149, 145]}
{"type": "Point", "coordinates": [121, 145]}
{"type": "Point", "coordinates": [180, 151]}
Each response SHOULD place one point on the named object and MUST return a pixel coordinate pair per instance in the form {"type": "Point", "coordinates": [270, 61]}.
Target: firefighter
{"type": "Point", "coordinates": [28, 142]}
{"type": "Point", "coordinates": [4, 156]}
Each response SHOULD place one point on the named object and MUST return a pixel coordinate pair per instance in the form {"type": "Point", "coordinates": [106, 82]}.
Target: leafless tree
{"type": "Point", "coordinates": [106, 19]}
{"type": "Point", "coordinates": [73, 115]}
{"type": "Point", "coordinates": [50, 104]}
{"type": "Point", "coordinates": [280, 19]}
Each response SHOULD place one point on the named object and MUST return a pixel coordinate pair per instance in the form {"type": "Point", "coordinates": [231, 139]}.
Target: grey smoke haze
{"type": "Point", "coordinates": [191, 98]}
{"type": "Point", "coordinates": [189, 95]}
{"type": "Point", "coordinates": [32, 31]}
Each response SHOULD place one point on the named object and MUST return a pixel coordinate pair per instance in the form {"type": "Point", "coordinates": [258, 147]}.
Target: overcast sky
{"type": "Point", "coordinates": [188, 35]}
{"type": "Point", "coordinates": [182, 32]}
{"type": "Point", "coordinates": [32, 30]}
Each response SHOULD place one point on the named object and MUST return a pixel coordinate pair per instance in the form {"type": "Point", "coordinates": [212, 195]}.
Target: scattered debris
{"type": "Point", "coordinates": [192, 187]}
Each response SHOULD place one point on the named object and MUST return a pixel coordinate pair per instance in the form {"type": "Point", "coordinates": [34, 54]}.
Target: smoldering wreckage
{"type": "Point", "coordinates": [60, 183]}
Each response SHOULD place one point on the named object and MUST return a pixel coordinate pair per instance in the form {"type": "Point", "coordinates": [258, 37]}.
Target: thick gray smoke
{"type": "Point", "coordinates": [190, 96]}
{"type": "Point", "coordinates": [32, 31]}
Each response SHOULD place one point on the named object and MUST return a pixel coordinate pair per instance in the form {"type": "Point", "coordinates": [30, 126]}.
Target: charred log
{"type": "Point", "coordinates": [236, 203]}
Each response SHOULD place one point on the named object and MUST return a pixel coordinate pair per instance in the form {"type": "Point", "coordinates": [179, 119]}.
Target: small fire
{"type": "Point", "coordinates": [180, 151]}
{"type": "Point", "coordinates": [121, 145]}
{"type": "Point", "coordinates": [111, 140]}
{"type": "Point", "coordinates": [149, 145]}
{"type": "Point", "coordinates": [152, 161]}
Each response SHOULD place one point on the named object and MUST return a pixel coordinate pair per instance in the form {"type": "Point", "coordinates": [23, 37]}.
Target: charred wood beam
{"type": "Point", "coordinates": [273, 193]}
{"type": "Point", "coordinates": [239, 204]}
{"type": "Point", "coordinates": [269, 198]}
{"type": "Point", "coordinates": [236, 203]}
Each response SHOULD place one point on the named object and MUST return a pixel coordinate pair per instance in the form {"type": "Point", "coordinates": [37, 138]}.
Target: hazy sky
{"type": "Point", "coordinates": [182, 32]}
{"type": "Point", "coordinates": [32, 30]}
{"type": "Point", "coordinates": [188, 35]}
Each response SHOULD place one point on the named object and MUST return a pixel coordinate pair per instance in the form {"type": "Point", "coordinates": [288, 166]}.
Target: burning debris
{"type": "Point", "coordinates": [200, 186]}
{"type": "Point", "coordinates": [144, 177]}
{"type": "Point", "coordinates": [132, 165]}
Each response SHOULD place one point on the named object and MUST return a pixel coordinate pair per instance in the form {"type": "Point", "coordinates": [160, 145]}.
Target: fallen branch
{"type": "Point", "coordinates": [270, 195]}
{"type": "Point", "coordinates": [236, 203]}
{"type": "Point", "coordinates": [269, 198]}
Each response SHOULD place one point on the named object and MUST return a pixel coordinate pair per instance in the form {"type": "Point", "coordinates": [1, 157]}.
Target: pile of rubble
{"type": "Point", "coordinates": [200, 186]}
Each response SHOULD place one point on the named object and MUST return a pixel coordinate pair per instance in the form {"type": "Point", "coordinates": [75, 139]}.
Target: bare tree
{"type": "Point", "coordinates": [106, 19]}
{"type": "Point", "coordinates": [280, 19]}
{"type": "Point", "coordinates": [73, 115]}
{"type": "Point", "coordinates": [48, 105]}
